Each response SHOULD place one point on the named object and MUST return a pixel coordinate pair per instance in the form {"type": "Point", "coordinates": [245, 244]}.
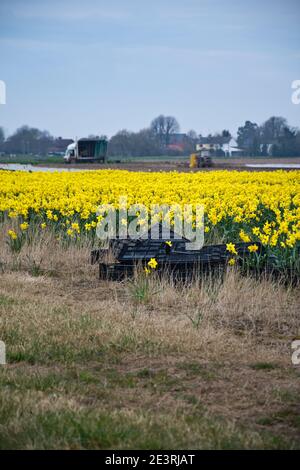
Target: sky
{"type": "Point", "coordinates": [94, 67]}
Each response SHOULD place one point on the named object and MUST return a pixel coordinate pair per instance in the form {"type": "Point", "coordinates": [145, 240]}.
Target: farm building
{"type": "Point", "coordinates": [59, 145]}
{"type": "Point", "coordinates": [219, 146]}
{"type": "Point", "coordinates": [177, 142]}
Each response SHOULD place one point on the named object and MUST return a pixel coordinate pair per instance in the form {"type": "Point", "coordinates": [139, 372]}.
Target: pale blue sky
{"type": "Point", "coordinates": [83, 67]}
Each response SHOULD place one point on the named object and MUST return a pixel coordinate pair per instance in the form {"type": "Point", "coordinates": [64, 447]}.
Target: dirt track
{"type": "Point", "coordinates": [179, 165]}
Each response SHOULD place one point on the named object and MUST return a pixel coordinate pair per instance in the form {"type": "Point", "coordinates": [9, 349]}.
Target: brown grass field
{"type": "Point", "coordinates": [177, 164]}
{"type": "Point", "coordinates": [103, 365]}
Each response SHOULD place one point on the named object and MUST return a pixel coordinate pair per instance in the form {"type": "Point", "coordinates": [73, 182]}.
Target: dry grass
{"type": "Point", "coordinates": [142, 365]}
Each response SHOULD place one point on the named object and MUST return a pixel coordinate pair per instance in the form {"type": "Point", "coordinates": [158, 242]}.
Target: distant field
{"type": "Point", "coordinates": [35, 160]}
{"type": "Point", "coordinates": [42, 159]}
{"type": "Point", "coordinates": [158, 158]}
{"type": "Point", "coordinates": [31, 159]}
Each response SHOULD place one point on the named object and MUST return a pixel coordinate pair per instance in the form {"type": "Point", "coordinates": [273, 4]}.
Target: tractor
{"type": "Point", "coordinates": [201, 159]}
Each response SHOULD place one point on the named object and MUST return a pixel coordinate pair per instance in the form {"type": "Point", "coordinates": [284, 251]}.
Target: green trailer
{"type": "Point", "coordinates": [87, 150]}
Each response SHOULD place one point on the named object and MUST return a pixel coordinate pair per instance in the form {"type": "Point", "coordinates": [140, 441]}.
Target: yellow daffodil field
{"type": "Point", "coordinates": [239, 206]}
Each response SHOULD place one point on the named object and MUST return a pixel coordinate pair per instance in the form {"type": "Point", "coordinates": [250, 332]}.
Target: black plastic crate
{"type": "Point", "coordinates": [177, 271]}
{"type": "Point", "coordinates": [139, 250]}
{"type": "Point", "coordinates": [179, 262]}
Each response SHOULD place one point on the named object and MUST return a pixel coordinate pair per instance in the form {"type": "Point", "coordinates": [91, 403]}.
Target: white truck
{"type": "Point", "coordinates": [87, 150]}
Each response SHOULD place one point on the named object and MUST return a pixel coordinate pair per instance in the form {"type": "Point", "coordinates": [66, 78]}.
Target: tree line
{"type": "Point", "coordinates": [274, 137]}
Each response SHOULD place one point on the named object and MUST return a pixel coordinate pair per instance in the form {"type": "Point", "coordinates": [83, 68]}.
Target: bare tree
{"type": "Point", "coordinates": [134, 144]}
{"type": "Point", "coordinates": [172, 127]}
{"type": "Point", "coordinates": [2, 137]}
{"type": "Point", "coordinates": [163, 126]}
{"type": "Point", "coordinates": [158, 125]}
{"type": "Point", "coordinates": [28, 140]}
{"type": "Point", "coordinates": [192, 134]}
{"type": "Point", "coordinates": [272, 129]}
